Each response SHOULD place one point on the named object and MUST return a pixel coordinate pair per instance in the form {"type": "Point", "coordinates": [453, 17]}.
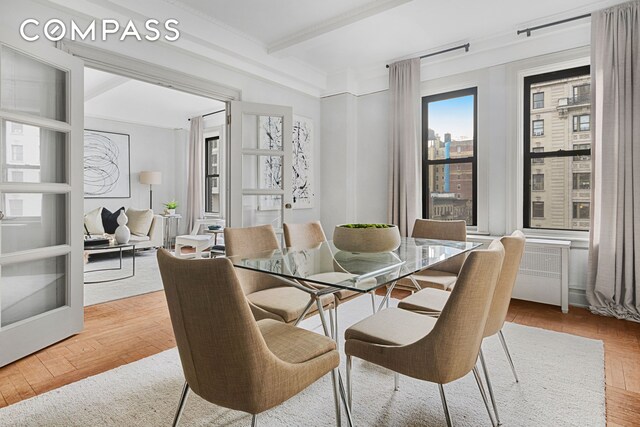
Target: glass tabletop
{"type": "Point", "coordinates": [362, 272]}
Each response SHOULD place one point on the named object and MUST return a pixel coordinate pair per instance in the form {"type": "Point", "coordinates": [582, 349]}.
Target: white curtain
{"type": "Point", "coordinates": [404, 144]}
{"type": "Point", "coordinates": [195, 171]}
{"type": "Point", "coordinates": [614, 252]}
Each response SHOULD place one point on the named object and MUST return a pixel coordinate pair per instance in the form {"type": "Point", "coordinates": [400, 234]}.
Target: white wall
{"type": "Point", "coordinates": [498, 136]}
{"type": "Point", "coordinates": [151, 149]}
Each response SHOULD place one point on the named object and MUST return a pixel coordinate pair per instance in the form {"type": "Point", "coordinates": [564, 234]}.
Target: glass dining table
{"type": "Point", "coordinates": [324, 270]}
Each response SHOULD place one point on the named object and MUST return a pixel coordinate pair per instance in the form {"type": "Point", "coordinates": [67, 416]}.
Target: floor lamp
{"type": "Point", "coordinates": [150, 178]}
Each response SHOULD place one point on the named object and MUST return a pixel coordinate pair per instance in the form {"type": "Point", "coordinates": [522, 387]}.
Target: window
{"type": "Point", "coordinates": [538, 100]}
{"type": "Point", "coordinates": [537, 182]}
{"type": "Point", "coordinates": [538, 127]}
{"type": "Point", "coordinates": [581, 210]}
{"type": "Point", "coordinates": [538, 160]}
{"type": "Point", "coordinates": [17, 176]}
{"type": "Point", "coordinates": [561, 158]}
{"type": "Point", "coordinates": [212, 175]}
{"type": "Point", "coordinates": [16, 207]}
{"type": "Point", "coordinates": [582, 181]}
{"type": "Point", "coordinates": [449, 144]}
{"type": "Point", "coordinates": [581, 123]}
{"type": "Point", "coordinates": [16, 128]}
{"type": "Point", "coordinates": [537, 209]}
{"type": "Point", "coordinates": [17, 153]}
{"type": "Point", "coordinates": [582, 93]}
{"type": "Point", "coordinates": [581, 147]}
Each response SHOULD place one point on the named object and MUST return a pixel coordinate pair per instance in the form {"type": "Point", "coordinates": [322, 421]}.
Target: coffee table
{"type": "Point", "coordinates": [121, 247]}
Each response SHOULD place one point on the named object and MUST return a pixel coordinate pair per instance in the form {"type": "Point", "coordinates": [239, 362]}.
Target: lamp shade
{"type": "Point", "coordinates": [150, 178]}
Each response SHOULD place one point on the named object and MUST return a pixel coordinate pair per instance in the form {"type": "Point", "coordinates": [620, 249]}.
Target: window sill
{"type": "Point", "coordinates": [578, 239]}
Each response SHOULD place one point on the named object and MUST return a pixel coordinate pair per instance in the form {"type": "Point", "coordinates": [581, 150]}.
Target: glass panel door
{"type": "Point", "coordinates": [260, 165]}
{"type": "Point", "coordinates": [41, 121]}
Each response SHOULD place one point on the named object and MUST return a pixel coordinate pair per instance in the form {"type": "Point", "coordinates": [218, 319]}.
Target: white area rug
{"type": "Point", "coordinates": [147, 278]}
{"type": "Point", "coordinates": [561, 384]}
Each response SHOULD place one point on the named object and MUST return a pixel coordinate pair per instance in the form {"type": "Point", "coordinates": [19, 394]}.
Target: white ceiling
{"type": "Point", "coordinates": [398, 29]}
{"type": "Point", "coordinates": [322, 47]}
{"type": "Point", "coordinates": [113, 97]}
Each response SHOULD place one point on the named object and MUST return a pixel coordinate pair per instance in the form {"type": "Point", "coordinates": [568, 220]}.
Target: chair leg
{"type": "Point", "coordinates": [347, 408]}
{"type": "Point", "coordinates": [373, 301]}
{"type": "Point", "coordinates": [332, 324]}
{"type": "Point", "coordinates": [396, 381]}
{"type": "Point", "coordinates": [490, 387]}
{"type": "Point", "coordinates": [476, 374]}
{"type": "Point", "coordinates": [349, 360]}
{"type": "Point", "coordinates": [444, 406]}
{"type": "Point", "coordinates": [506, 351]}
{"type": "Point", "coordinates": [183, 400]}
{"type": "Point", "coordinates": [336, 335]}
{"type": "Point", "coordinates": [254, 420]}
{"type": "Point", "coordinates": [336, 396]}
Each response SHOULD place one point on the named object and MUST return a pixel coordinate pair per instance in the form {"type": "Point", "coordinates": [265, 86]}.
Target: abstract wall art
{"type": "Point", "coordinates": [106, 165]}
{"type": "Point", "coordinates": [303, 196]}
{"type": "Point", "coordinates": [270, 168]}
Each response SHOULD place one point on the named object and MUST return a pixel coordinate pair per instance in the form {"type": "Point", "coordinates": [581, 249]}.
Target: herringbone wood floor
{"type": "Point", "coordinates": [123, 331]}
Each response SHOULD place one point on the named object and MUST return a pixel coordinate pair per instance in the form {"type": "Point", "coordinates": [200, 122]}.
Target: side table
{"type": "Point", "coordinates": [171, 224]}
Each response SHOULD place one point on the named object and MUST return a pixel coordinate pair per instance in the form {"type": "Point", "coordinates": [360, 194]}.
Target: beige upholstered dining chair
{"type": "Point", "coordinates": [228, 357]}
{"type": "Point", "coordinates": [438, 350]}
{"type": "Point", "coordinates": [269, 297]}
{"type": "Point", "coordinates": [304, 236]}
{"type": "Point", "coordinates": [310, 235]}
{"type": "Point", "coordinates": [443, 275]}
{"type": "Point", "coordinates": [433, 301]}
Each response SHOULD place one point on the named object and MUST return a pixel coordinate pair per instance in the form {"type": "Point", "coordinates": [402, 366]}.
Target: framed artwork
{"type": "Point", "coordinates": [270, 167]}
{"type": "Point", "coordinates": [270, 171]}
{"type": "Point", "coordinates": [106, 165]}
{"type": "Point", "coordinates": [303, 196]}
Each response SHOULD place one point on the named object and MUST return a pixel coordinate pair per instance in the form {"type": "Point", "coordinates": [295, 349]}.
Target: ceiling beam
{"type": "Point", "coordinates": [345, 19]}
{"type": "Point", "coordinates": [104, 87]}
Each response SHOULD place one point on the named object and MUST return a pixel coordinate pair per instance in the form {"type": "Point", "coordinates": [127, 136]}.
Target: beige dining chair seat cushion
{"type": "Point", "coordinates": [285, 301]}
{"type": "Point", "coordinates": [427, 300]}
{"type": "Point", "coordinates": [309, 345]}
{"type": "Point", "coordinates": [436, 279]}
{"type": "Point", "coordinates": [382, 328]}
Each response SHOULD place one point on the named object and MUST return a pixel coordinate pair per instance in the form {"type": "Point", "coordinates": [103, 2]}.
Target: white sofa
{"type": "Point", "coordinates": [155, 238]}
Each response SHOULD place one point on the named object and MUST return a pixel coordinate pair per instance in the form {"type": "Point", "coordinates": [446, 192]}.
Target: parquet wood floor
{"type": "Point", "coordinates": [127, 330]}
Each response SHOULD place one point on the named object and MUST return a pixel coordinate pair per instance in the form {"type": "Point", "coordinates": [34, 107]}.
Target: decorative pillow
{"type": "Point", "coordinates": [93, 222]}
{"type": "Point", "coordinates": [139, 221]}
{"type": "Point", "coordinates": [110, 220]}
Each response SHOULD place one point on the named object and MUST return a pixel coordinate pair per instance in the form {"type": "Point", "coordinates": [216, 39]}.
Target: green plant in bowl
{"type": "Point", "coordinates": [171, 205]}
{"type": "Point", "coordinates": [366, 226]}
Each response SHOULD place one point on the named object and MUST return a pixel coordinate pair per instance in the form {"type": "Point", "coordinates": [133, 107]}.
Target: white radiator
{"type": "Point", "coordinates": [544, 271]}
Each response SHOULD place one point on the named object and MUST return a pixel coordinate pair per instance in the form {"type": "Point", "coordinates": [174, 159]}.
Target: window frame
{"type": "Point", "coordinates": [207, 174]}
{"type": "Point", "coordinates": [576, 180]}
{"type": "Point", "coordinates": [426, 162]}
{"type": "Point", "coordinates": [542, 181]}
{"type": "Point", "coordinates": [573, 210]}
{"type": "Point", "coordinates": [533, 100]}
{"type": "Point", "coordinates": [533, 128]}
{"type": "Point", "coordinates": [532, 210]}
{"type": "Point", "coordinates": [528, 155]}
{"type": "Point", "coordinates": [576, 122]}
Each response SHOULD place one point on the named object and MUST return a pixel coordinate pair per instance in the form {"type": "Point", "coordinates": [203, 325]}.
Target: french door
{"type": "Point", "coordinates": [260, 165]}
{"type": "Point", "coordinates": [41, 196]}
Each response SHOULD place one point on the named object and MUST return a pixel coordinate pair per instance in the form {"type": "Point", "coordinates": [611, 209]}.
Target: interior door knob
{"type": "Point", "coordinates": [287, 206]}
{"type": "Point", "coordinates": [1, 215]}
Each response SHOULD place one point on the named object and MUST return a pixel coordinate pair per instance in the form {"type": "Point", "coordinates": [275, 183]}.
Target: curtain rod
{"type": "Point", "coordinates": [209, 114]}
{"type": "Point", "coordinates": [462, 46]}
{"type": "Point", "coordinates": [550, 24]}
